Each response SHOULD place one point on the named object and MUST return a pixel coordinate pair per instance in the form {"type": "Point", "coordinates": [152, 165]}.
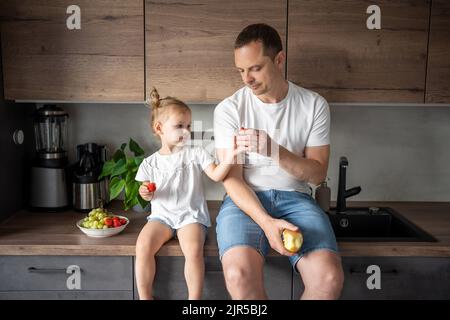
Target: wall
{"type": "Point", "coordinates": [397, 152]}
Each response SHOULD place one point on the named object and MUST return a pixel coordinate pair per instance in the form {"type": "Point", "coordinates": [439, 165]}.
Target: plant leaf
{"type": "Point", "coordinates": [119, 154]}
{"type": "Point", "coordinates": [123, 146]}
{"type": "Point", "coordinates": [142, 202]}
{"type": "Point", "coordinates": [107, 169]}
{"type": "Point", "coordinates": [135, 148]}
{"type": "Point", "coordinates": [138, 160]}
{"type": "Point", "coordinates": [131, 194]}
{"type": "Point", "coordinates": [129, 178]}
{"type": "Point", "coordinates": [115, 187]}
{"type": "Point", "coordinates": [119, 168]}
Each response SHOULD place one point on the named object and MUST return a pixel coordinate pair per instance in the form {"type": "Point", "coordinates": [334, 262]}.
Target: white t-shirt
{"type": "Point", "coordinates": [301, 119]}
{"type": "Point", "coordinates": [179, 198]}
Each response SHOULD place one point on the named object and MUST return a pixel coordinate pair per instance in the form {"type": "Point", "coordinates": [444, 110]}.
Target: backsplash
{"type": "Point", "coordinates": [395, 153]}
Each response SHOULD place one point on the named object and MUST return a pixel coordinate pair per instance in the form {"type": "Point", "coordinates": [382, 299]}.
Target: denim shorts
{"type": "Point", "coordinates": [235, 228]}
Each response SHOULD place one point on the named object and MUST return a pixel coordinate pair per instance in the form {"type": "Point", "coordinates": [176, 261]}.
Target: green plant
{"type": "Point", "coordinates": [121, 171]}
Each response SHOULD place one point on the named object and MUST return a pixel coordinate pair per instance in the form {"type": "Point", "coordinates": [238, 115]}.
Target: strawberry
{"type": "Point", "coordinates": [151, 187]}
{"type": "Point", "coordinates": [116, 223]}
{"type": "Point", "coordinates": [123, 221]}
{"type": "Point", "coordinates": [108, 222]}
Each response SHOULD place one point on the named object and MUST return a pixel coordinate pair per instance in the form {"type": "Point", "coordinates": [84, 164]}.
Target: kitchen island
{"type": "Point", "coordinates": [28, 239]}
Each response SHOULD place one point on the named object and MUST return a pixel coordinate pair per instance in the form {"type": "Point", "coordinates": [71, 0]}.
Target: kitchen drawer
{"type": "Point", "coordinates": [66, 295]}
{"type": "Point", "coordinates": [32, 273]}
{"type": "Point", "coordinates": [400, 278]}
{"type": "Point", "coordinates": [171, 284]}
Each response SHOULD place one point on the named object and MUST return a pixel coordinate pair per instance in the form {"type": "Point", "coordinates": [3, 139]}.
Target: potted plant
{"type": "Point", "coordinates": [121, 171]}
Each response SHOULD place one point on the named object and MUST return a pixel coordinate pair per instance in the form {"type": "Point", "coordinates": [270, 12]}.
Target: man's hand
{"type": "Point", "coordinates": [144, 192]}
{"type": "Point", "coordinates": [273, 229]}
{"type": "Point", "coordinates": [253, 140]}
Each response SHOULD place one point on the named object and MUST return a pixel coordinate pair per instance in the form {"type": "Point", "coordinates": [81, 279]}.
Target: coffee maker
{"type": "Point", "coordinates": [48, 178]}
{"type": "Point", "coordinates": [88, 190]}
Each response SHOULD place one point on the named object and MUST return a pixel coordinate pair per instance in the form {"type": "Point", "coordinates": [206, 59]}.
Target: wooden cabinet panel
{"type": "Point", "coordinates": [331, 51]}
{"type": "Point", "coordinates": [44, 60]}
{"type": "Point", "coordinates": [438, 71]}
{"type": "Point", "coordinates": [190, 44]}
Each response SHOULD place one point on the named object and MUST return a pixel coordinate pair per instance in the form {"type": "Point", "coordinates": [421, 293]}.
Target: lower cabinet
{"type": "Point", "coordinates": [171, 284]}
{"type": "Point", "coordinates": [392, 278]}
{"type": "Point", "coordinates": [66, 277]}
{"type": "Point", "coordinates": [110, 278]}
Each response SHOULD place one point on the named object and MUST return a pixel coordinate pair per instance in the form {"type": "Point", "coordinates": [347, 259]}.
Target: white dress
{"type": "Point", "coordinates": [179, 197]}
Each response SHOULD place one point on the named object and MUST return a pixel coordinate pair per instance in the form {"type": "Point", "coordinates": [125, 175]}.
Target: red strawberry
{"type": "Point", "coordinates": [151, 187]}
{"type": "Point", "coordinates": [108, 222]}
{"type": "Point", "coordinates": [123, 221]}
{"type": "Point", "coordinates": [116, 223]}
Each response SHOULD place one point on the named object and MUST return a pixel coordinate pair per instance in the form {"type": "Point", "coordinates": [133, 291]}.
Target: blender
{"type": "Point", "coordinates": [49, 185]}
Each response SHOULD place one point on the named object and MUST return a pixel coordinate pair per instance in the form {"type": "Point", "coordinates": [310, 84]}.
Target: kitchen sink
{"type": "Point", "coordinates": [375, 224]}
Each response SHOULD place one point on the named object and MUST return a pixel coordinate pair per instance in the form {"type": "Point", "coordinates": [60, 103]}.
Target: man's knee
{"type": "Point", "coordinates": [236, 276]}
{"type": "Point", "coordinates": [330, 282]}
{"type": "Point", "coordinates": [242, 270]}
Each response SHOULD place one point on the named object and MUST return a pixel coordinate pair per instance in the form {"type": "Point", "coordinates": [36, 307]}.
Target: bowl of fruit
{"type": "Point", "coordinates": [100, 223]}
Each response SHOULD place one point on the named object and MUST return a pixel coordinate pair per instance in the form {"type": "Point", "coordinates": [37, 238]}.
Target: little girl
{"type": "Point", "coordinates": [178, 203]}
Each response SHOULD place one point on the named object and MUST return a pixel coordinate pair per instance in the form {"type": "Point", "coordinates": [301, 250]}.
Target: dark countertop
{"type": "Point", "coordinates": [33, 233]}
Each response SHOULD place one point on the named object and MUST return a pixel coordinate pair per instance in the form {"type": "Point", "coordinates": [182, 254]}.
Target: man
{"type": "Point", "coordinates": [284, 130]}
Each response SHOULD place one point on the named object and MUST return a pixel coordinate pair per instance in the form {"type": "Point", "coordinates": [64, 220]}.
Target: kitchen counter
{"type": "Point", "coordinates": [34, 233]}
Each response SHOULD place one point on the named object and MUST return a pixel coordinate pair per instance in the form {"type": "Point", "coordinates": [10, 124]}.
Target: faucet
{"type": "Point", "coordinates": [342, 192]}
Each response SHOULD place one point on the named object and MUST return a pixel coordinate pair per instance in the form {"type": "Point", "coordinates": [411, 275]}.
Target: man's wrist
{"type": "Point", "coordinates": [264, 220]}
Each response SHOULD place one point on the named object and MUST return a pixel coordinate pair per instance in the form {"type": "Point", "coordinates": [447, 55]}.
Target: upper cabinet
{"type": "Point", "coordinates": [438, 71]}
{"type": "Point", "coordinates": [190, 44]}
{"type": "Point", "coordinates": [332, 51]}
{"type": "Point", "coordinates": [93, 51]}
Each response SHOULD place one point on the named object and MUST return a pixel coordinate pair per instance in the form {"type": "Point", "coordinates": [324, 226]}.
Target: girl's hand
{"type": "Point", "coordinates": [144, 192]}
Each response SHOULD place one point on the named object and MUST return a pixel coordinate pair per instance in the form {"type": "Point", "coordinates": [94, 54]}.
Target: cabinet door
{"type": "Point", "coordinates": [399, 278]}
{"type": "Point", "coordinates": [102, 61]}
{"type": "Point", "coordinates": [171, 284]}
{"type": "Point", "coordinates": [50, 273]}
{"type": "Point", "coordinates": [438, 73]}
{"type": "Point", "coordinates": [331, 50]}
{"type": "Point", "coordinates": [190, 44]}
{"type": "Point", "coordinates": [66, 295]}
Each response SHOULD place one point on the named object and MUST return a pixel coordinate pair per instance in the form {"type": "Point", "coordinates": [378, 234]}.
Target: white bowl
{"type": "Point", "coordinates": [103, 233]}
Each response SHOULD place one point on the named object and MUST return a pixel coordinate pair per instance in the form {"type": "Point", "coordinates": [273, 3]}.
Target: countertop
{"type": "Point", "coordinates": [38, 233]}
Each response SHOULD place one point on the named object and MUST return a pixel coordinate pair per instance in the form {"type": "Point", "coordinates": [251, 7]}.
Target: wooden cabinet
{"type": "Point", "coordinates": [438, 71]}
{"type": "Point", "coordinates": [44, 60]}
{"type": "Point", "coordinates": [171, 284]}
{"type": "Point", "coordinates": [190, 44]}
{"type": "Point", "coordinates": [47, 277]}
{"type": "Point", "coordinates": [331, 50]}
{"type": "Point", "coordinates": [400, 278]}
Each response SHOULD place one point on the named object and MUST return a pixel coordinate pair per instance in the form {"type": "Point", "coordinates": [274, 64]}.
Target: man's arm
{"type": "Point", "coordinates": [311, 168]}
{"type": "Point", "coordinates": [245, 198]}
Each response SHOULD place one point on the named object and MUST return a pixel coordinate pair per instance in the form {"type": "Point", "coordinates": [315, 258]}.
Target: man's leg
{"type": "Point", "coordinates": [318, 261]}
{"type": "Point", "coordinates": [322, 275]}
{"type": "Point", "coordinates": [242, 247]}
{"type": "Point", "coordinates": [243, 269]}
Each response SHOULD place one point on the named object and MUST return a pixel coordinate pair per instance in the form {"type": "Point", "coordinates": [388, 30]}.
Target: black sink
{"type": "Point", "coordinates": [375, 224]}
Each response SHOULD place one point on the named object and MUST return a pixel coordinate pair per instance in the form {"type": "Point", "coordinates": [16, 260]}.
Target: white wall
{"type": "Point", "coordinates": [398, 153]}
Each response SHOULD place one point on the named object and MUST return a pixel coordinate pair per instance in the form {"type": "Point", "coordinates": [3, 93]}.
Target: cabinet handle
{"type": "Point", "coordinates": [47, 270]}
{"type": "Point", "coordinates": [361, 271]}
